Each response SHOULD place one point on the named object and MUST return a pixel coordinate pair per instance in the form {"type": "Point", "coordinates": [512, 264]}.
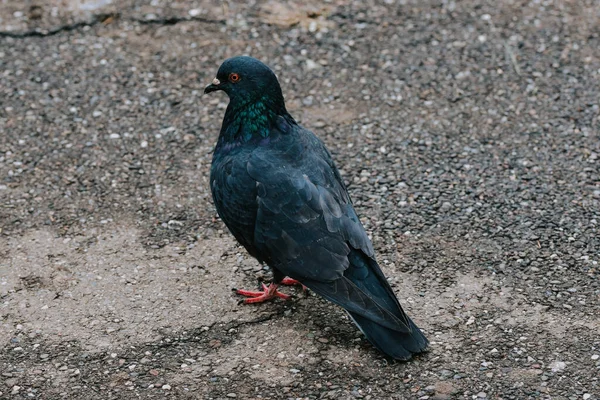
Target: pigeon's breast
{"type": "Point", "coordinates": [234, 194]}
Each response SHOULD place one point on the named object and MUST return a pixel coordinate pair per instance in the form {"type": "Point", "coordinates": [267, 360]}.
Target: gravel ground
{"type": "Point", "coordinates": [467, 131]}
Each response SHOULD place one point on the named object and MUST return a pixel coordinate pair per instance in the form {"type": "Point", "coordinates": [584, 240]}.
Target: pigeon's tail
{"type": "Point", "coordinates": [400, 340]}
{"type": "Point", "coordinates": [398, 345]}
{"type": "Point", "coordinates": [370, 301]}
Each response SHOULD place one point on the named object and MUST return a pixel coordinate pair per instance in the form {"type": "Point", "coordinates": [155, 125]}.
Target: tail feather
{"type": "Point", "coordinates": [368, 298]}
{"type": "Point", "coordinates": [366, 274]}
{"type": "Point", "coordinates": [400, 346]}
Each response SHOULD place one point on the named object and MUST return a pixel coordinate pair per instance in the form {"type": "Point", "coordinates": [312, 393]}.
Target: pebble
{"type": "Point", "coordinates": [231, 395]}
{"type": "Point", "coordinates": [557, 366]}
{"type": "Point", "coordinates": [166, 387]}
{"type": "Point", "coordinates": [595, 357]}
{"type": "Point", "coordinates": [310, 65]}
{"type": "Point", "coordinates": [11, 382]}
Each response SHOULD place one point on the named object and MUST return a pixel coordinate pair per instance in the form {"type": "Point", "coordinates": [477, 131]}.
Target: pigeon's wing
{"type": "Point", "coordinates": [307, 228]}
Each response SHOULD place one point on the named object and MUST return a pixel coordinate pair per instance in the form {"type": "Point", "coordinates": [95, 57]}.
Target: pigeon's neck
{"type": "Point", "coordinates": [252, 120]}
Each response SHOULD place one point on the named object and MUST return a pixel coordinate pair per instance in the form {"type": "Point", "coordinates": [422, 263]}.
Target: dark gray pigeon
{"type": "Point", "coordinates": [277, 189]}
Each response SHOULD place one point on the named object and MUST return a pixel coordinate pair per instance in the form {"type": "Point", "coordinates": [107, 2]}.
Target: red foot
{"type": "Point", "coordinates": [268, 293]}
{"type": "Point", "coordinates": [292, 282]}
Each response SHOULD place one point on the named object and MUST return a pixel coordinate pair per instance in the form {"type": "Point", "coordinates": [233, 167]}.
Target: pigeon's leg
{"type": "Point", "coordinates": [268, 293]}
{"type": "Point", "coordinates": [292, 282]}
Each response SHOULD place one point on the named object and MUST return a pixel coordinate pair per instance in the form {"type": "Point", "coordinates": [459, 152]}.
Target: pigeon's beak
{"type": "Point", "coordinates": [213, 87]}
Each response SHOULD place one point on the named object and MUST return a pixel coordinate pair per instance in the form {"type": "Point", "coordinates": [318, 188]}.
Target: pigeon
{"type": "Point", "coordinates": [278, 191]}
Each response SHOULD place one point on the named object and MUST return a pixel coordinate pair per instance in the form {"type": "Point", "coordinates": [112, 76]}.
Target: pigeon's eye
{"type": "Point", "coordinates": [234, 78]}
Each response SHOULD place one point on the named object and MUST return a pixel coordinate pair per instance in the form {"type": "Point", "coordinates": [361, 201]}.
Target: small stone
{"type": "Point", "coordinates": [115, 136]}
{"type": "Point", "coordinates": [444, 388]}
{"type": "Point", "coordinates": [294, 370]}
{"type": "Point", "coordinates": [144, 144]}
{"type": "Point", "coordinates": [194, 12]}
{"type": "Point", "coordinates": [310, 64]}
{"type": "Point", "coordinates": [15, 389]}
{"type": "Point", "coordinates": [595, 357]}
{"type": "Point", "coordinates": [557, 366]}
{"type": "Point", "coordinates": [166, 387]}
{"type": "Point", "coordinates": [10, 382]}
{"type": "Point", "coordinates": [587, 396]}
{"type": "Point", "coordinates": [232, 395]}
{"type": "Point", "coordinates": [446, 373]}
{"type": "Point", "coordinates": [481, 395]}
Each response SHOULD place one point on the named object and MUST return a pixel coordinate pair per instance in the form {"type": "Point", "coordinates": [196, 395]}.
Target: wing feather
{"type": "Point", "coordinates": [307, 228]}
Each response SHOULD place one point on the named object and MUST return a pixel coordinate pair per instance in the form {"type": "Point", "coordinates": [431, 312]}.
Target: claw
{"type": "Point", "coordinates": [267, 293]}
{"type": "Point", "coordinates": [292, 282]}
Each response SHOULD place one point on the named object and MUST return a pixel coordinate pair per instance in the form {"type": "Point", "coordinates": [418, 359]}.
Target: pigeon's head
{"type": "Point", "coordinates": [246, 80]}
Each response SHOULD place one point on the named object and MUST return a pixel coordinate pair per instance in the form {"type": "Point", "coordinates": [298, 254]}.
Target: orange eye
{"type": "Point", "coordinates": [234, 78]}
